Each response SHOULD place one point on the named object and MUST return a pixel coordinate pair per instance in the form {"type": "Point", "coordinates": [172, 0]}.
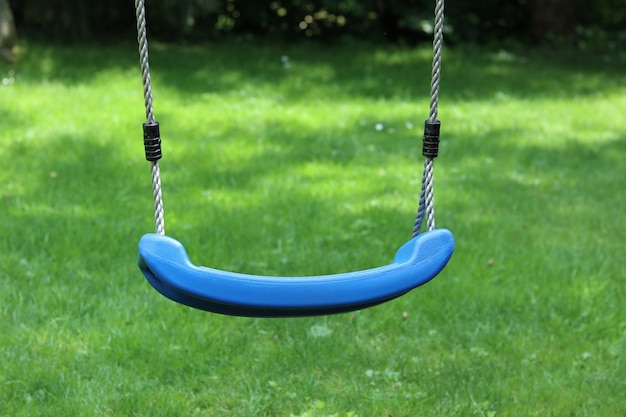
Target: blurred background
{"type": "Point", "coordinates": [599, 24]}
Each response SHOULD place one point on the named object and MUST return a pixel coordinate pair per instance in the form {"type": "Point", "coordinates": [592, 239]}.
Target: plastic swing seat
{"type": "Point", "coordinates": [166, 265]}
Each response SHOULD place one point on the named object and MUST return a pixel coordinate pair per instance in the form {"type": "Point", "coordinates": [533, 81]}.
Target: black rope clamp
{"type": "Point", "coordinates": [431, 138]}
{"type": "Point", "coordinates": [152, 141]}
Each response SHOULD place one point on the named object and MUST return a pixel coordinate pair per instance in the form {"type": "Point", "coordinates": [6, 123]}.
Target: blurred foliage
{"type": "Point", "coordinates": [579, 22]}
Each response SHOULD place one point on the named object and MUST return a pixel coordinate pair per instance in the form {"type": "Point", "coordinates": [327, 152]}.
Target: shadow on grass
{"type": "Point", "coordinates": [537, 215]}
{"type": "Point", "coordinates": [269, 207]}
{"type": "Point", "coordinates": [88, 202]}
{"type": "Point", "coordinates": [360, 71]}
{"type": "Point", "coordinates": [72, 200]}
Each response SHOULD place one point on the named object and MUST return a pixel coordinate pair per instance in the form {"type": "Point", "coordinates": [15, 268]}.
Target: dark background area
{"type": "Point", "coordinates": [576, 23]}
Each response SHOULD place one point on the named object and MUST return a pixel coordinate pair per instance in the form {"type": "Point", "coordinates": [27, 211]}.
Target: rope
{"type": "Point", "coordinates": [142, 40]}
{"type": "Point", "coordinates": [427, 196]}
{"type": "Point", "coordinates": [436, 72]}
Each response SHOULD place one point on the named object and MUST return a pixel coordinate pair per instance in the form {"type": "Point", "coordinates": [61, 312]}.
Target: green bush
{"type": "Point", "coordinates": [328, 20]}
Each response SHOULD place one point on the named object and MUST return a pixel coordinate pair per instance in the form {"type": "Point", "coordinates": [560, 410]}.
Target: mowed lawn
{"type": "Point", "coordinates": [300, 160]}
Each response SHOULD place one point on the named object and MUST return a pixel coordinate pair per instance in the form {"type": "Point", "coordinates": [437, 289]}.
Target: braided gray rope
{"type": "Point", "coordinates": [427, 197]}
{"type": "Point", "coordinates": [142, 40]}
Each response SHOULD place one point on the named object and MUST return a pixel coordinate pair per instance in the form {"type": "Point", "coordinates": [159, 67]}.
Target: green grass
{"type": "Point", "coordinates": [275, 170]}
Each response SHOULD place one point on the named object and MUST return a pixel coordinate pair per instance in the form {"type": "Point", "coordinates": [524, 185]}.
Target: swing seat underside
{"type": "Point", "coordinates": [166, 265]}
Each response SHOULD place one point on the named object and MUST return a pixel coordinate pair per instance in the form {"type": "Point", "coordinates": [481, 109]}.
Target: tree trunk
{"type": "Point", "coordinates": [8, 33]}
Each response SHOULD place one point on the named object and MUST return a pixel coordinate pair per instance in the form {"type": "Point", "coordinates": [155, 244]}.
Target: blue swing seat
{"type": "Point", "coordinates": [167, 267]}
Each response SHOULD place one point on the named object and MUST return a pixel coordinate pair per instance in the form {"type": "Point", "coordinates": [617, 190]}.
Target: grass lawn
{"type": "Point", "coordinates": [298, 160]}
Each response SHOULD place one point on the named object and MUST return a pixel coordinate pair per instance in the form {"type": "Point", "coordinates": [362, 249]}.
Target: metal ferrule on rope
{"type": "Point", "coordinates": [430, 148]}
{"type": "Point", "coordinates": [152, 141]}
